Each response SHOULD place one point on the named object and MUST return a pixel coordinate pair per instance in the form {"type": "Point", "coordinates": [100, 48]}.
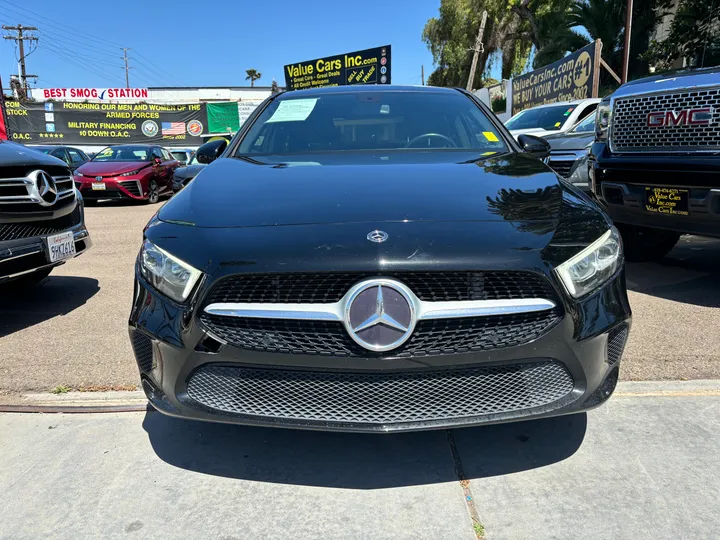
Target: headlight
{"type": "Point", "coordinates": [131, 173]}
{"type": "Point", "coordinates": [593, 266]}
{"type": "Point", "coordinates": [603, 116]}
{"type": "Point", "coordinates": [166, 273]}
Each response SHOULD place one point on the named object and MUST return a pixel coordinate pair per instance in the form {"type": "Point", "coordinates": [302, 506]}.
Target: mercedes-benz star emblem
{"type": "Point", "coordinates": [380, 314]}
{"type": "Point", "coordinates": [44, 187]}
{"type": "Point", "coordinates": [377, 236]}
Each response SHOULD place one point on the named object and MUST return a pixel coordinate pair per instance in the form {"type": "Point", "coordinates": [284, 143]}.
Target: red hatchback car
{"type": "Point", "coordinates": [140, 172]}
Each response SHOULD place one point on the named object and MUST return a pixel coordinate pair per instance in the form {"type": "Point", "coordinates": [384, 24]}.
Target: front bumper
{"type": "Point", "coordinates": [23, 256]}
{"type": "Point", "coordinates": [115, 188]}
{"type": "Point", "coordinates": [619, 184]}
{"type": "Point", "coordinates": [187, 373]}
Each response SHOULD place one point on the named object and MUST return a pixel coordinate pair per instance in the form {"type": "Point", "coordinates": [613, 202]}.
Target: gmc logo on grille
{"type": "Point", "coordinates": [689, 117]}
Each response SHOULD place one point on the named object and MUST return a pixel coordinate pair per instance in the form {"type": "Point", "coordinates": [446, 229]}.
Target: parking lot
{"type": "Point", "coordinates": [71, 330]}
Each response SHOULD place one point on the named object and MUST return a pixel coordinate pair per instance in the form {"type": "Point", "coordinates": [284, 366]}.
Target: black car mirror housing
{"type": "Point", "coordinates": [535, 146]}
{"type": "Point", "coordinates": [211, 150]}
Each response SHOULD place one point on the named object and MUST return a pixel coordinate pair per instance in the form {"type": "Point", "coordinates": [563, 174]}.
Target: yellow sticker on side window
{"type": "Point", "coordinates": [490, 136]}
{"type": "Point", "coordinates": [557, 124]}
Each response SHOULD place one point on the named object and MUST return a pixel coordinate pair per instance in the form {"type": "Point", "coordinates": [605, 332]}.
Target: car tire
{"type": "Point", "coordinates": [28, 280]}
{"type": "Point", "coordinates": [153, 193]}
{"type": "Point", "coordinates": [645, 244]}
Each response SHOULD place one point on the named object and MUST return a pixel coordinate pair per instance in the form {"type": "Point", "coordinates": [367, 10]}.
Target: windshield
{"type": "Point", "coordinates": [383, 120]}
{"type": "Point", "coordinates": [586, 126]}
{"type": "Point", "coordinates": [548, 118]}
{"type": "Point", "coordinates": [194, 161]}
{"type": "Point", "coordinates": [180, 156]}
{"type": "Point", "coordinates": [123, 153]}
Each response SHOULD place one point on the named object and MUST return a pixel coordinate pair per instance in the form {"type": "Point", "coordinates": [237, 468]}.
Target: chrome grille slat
{"type": "Point", "coordinates": [630, 132]}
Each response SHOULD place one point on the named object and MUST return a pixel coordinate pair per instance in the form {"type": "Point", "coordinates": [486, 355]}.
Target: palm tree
{"type": "Point", "coordinates": [252, 76]}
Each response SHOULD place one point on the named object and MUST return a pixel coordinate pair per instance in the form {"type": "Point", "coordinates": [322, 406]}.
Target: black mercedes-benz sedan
{"type": "Point", "coordinates": [378, 259]}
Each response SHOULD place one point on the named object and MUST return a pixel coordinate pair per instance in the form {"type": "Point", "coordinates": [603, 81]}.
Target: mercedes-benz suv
{"type": "Point", "coordinates": [42, 221]}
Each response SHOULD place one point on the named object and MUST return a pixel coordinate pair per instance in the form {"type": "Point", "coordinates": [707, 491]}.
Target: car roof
{"type": "Point", "coordinates": [362, 88]}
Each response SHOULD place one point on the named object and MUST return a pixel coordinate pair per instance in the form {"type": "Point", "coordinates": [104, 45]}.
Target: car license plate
{"type": "Point", "coordinates": [669, 201]}
{"type": "Point", "coordinates": [98, 186]}
{"type": "Point", "coordinates": [61, 246]}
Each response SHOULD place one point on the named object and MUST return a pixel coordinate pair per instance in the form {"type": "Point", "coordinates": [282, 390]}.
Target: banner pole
{"type": "Point", "coordinates": [4, 127]}
{"type": "Point", "coordinates": [596, 68]}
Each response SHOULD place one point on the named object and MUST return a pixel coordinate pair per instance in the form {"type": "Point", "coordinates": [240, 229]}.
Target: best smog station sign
{"type": "Point", "coordinates": [371, 66]}
{"type": "Point", "coordinates": [574, 77]}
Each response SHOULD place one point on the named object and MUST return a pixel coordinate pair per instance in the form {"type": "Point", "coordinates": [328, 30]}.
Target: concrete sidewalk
{"type": "Point", "coordinates": [643, 466]}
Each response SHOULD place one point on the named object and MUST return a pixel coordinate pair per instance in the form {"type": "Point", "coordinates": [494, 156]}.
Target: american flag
{"type": "Point", "coordinates": [173, 128]}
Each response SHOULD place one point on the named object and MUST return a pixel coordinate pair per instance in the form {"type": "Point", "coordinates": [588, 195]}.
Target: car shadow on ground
{"type": "Point", "coordinates": [690, 273]}
{"type": "Point", "coordinates": [55, 295]}
{"type": "Point", "coordinates": [361, 461]}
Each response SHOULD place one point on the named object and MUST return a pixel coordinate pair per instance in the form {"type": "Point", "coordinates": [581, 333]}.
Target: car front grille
{"type": "Point", "coordinates": [631, 132]}
{"type": "Point", "coordinates": [323, 288]}
{"type": "Point", "coordinates": [562, 167]}
{"type": "Point", "coordinates": [132, 187]}
{"type": "Point", "coordinates": [430, 338]}
{"type": "Point", "coordinates": [378, 398]}
{"type": "Point", "coordinates": [30, 229]}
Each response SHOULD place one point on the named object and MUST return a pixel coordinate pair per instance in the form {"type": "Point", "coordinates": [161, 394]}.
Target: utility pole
{"type": "Point", "coordinates": [422, 74]}
{"type": "Point", "coordinates": [478, 49]}
{"type": "Point", "coordinates": [20, 39]}
{"type": "Point", "coordinates": [127, 69]}
{"type": "Point", "coordinates": [626, 50]}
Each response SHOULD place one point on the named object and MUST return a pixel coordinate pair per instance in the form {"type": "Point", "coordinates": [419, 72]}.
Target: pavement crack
{"type": "Point", "coordinates": [478, 527]}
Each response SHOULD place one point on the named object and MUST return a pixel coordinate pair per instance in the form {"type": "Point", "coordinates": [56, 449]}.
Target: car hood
{"type": "Point", "coordinates": [378, 189]}
{"type": "Point", "coordinates": [13, 154]}
{"type": "Point", "coordinates": [105, 168]}
{"type": "Point", "coordinates": [189, 171]}
{"type": "Point", "coordinates": [570, 141]}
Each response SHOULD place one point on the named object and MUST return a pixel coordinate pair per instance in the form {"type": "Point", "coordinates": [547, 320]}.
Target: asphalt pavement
{"type": "Point", "coordinates": [642, 466]}
{"type": "Point", "coordinates": [72, 329]}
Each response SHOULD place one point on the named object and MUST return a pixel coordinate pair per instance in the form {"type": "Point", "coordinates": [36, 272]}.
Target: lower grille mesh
{"type": "Point", "coordinates": [379, 398]}
{"type": "Point", "coordinates": [142, 347]}
{"type": "Point", "coordinates": [616, 344]}
{"type": "Point", "coordinates": [435, 337]}
{"type": "Point", "coordinates": [30, 229]}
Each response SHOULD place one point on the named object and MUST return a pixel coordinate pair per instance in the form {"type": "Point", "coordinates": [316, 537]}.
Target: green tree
{"type": "Point", "coordinates": [694, 35]}
{"type": "Point", "coordinates": [252, 76]}
{"type": "Point", "coordinates": [451, 36]}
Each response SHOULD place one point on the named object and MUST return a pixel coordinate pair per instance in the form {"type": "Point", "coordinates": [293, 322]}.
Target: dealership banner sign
{"type": "Point", "coordinates": [574, 77]}
{"type": "Point", "coordinates": [371, 66]}
{"type": "Point", "coordinates": [106, 123]}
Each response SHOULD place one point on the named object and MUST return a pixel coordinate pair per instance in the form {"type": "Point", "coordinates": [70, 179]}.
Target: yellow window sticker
{"type": "Point", "coordinates": [488, 153]}
{"type": "Point", "coordinates": [293, 110]}
{"type": "Point", "coordinates": [557, 124]}
{"type": "Point", "coordinates": [490, 136]}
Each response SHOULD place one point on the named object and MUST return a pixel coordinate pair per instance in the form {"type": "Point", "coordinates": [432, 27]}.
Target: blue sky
{"type": "Point", "coordinates": [184, 43]}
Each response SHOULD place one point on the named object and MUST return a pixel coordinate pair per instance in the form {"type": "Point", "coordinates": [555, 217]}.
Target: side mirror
{"type": "Point", "coordinates": [157, 160]}
{"type": "Point", "coordinates": [210, 151]}
{"type": "Point", "coordinates": [535, 146]}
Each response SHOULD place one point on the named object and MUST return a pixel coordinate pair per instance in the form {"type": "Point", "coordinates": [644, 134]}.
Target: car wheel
{"type": "Point", "coordinates": [153, 193]}
{"type": "Point", "coordinates": [28, 280]}
{"type": "Point", "coordinates": [645, 244]}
